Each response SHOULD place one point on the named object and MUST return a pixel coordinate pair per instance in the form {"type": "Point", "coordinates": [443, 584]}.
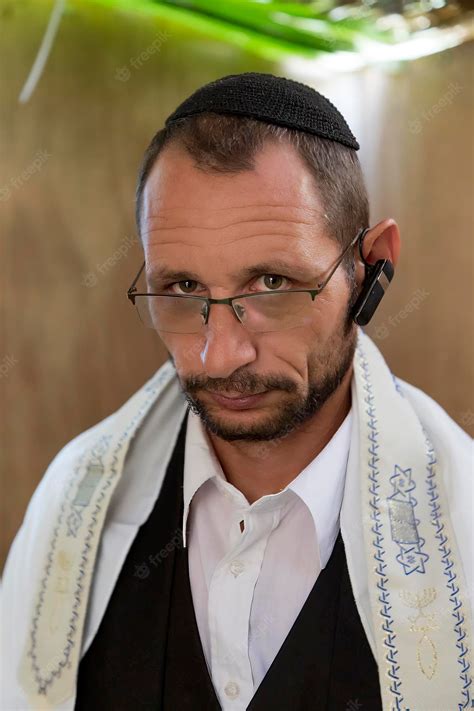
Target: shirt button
{"type": "Point", "coordinates": [232, 690]}
{"type": "Point", "coordinates": [236, 567]}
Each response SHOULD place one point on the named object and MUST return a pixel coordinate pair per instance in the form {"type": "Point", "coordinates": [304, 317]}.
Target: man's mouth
{"type": "Point", "coordinates": [232, 395]}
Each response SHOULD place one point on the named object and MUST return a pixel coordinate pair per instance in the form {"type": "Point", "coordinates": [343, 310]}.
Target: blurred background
{"type": "Point", "coordinates": [84, 87]}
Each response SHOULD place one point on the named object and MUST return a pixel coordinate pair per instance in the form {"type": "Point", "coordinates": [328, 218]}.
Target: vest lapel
{"type": "Point", "coordinates": [325, 662]}
{"type": "Point", "coordinates": [187, 685]}
{"type": "Point", "coordinates": [354, 674]}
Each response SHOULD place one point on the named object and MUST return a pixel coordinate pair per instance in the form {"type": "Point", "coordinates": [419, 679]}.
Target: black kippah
{"type": "Point", "coordinates": [271, 99]}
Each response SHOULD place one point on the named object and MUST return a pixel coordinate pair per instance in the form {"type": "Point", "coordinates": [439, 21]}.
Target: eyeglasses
{"type": "Point", "coordinates": [260, 312]}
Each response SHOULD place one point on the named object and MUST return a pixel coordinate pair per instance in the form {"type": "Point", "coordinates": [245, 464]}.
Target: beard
{"type": "Point", "coordinates": [326, 370]}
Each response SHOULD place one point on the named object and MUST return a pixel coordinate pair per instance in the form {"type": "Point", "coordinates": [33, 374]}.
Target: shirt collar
{"type": "Point", "coordinates": [319, 485]}
{"type": "Point", "coordinates": [200, 463]}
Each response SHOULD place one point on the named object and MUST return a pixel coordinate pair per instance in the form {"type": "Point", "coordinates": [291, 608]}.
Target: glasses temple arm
{"type": "Point", "coordinates": [133, 287]}
{"type": "Point", "coordinates": [359, 235]}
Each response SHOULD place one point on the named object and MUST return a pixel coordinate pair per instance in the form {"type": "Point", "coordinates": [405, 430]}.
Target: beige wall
{"type": "Point", "coordinates": [72, 350]}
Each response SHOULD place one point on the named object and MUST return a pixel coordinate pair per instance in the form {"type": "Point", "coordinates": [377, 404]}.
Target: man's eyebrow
{"type": "Point", "coordinates": [159, 273]}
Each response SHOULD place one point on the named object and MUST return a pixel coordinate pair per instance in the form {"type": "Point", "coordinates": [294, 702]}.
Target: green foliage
{"type": "Point", "coordinates": [271, 29]}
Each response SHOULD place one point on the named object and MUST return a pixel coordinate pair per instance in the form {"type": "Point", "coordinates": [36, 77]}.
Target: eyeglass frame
{"type": "Point", "coordinates": [132, 291]}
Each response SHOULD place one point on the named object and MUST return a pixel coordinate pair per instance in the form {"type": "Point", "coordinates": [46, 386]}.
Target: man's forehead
{"type": "Point", "coordinates": [235, 243]}
{"type": "Point", "coordinates": [216, 225]}
{"type": "Point", "coordinates": [260, 240]}
{"type": "Point", "coordinates": [159, 218]}
{"type": "Point", "coordinates": [279, 182]}
{"type": "Point", "coordinates": [222, 214]}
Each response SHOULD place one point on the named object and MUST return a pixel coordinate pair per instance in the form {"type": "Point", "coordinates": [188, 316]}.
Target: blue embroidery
{"type": "Point", "coordinates": [449, 571]}
{"type": "Point", "coordinates": [404, 524]}
{"type": "Point", "coordinates": [397, 385]}
{"type": "Point", "coordinates": [378, 540]}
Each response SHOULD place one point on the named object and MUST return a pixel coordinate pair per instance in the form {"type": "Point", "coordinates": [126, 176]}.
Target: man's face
{"type": "Point", "coordinates": [215, 225]}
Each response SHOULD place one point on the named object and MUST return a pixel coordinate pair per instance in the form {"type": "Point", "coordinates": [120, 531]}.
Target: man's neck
{"type": "Point", "coordinates": [260, 468]}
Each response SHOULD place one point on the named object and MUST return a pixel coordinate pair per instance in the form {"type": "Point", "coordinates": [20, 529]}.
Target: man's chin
{"type": "Point", "coordinates": [252, 424]}
{"type": "Point", "coordinates": [256, 424]}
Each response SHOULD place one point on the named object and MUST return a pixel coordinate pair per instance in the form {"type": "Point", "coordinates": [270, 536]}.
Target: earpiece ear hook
{"type": "Point", "coordinates": [376, 281]}
{"type": "Point", "coordinates": [361, 239]}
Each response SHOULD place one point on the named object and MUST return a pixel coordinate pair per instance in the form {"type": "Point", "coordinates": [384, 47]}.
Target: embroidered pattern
{"type": "Point", "coordinates": [397, 385]}
{"type": "Point", "coordinates": [88, 484]}
{"type": "Point", "coordinates": [450, 573]}
{"type": "Point", "coordinates": [404, 525]}
{"type": "Point", "coordinates": [46, 675]}
{"type": "Point", "coordinates": [394, 681]}
{"type": "Point", "coordinates": [426, 652]}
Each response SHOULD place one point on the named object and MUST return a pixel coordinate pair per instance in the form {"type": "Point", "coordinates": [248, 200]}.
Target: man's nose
{"type": "Point", "coordinates": [228, 344]}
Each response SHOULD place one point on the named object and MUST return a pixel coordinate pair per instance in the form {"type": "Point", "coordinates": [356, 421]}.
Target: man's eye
{"type": "Point", "coordinates": [272, 282]}
{"type": "Point", "coordinates": [185, 290]}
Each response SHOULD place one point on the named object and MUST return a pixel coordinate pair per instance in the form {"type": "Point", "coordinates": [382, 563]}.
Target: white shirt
{"type": "Point", "coordinates": [249, 586]}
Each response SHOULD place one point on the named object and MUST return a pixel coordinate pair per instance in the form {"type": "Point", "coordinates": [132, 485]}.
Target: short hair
{"type": "Point", "coordinates": [228, 143]}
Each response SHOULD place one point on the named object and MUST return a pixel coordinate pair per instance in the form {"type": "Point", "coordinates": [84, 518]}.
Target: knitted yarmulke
{"type": "Point", "coordinates": [272, 99]}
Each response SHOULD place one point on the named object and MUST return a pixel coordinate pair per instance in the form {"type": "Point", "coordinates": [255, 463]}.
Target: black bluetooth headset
{"type": "Point", "coordinates": [377, 278]}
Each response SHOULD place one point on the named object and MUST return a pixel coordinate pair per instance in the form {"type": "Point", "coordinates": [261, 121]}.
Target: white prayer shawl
{"type": "Point", "coordinates": [406, 522]}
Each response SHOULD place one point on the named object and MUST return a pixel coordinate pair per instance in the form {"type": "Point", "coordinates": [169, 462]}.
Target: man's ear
{"type": "Point", "coordinates": [377, 267]}
{"type": "Point", "coordinates": [382, 242]}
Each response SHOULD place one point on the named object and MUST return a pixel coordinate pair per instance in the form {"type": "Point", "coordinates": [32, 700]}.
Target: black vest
{"type": "Point", "coordinates": [147, 651]}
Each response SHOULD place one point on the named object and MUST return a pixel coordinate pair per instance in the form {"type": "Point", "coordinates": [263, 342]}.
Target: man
{"type": "Point", "coordinates": [274, 520]}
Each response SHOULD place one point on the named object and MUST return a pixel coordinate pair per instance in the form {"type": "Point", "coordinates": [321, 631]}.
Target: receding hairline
{"type": "Point", "coordinates": [177, 144]}
{"type": "Point", "coordinates": [229, 144]}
